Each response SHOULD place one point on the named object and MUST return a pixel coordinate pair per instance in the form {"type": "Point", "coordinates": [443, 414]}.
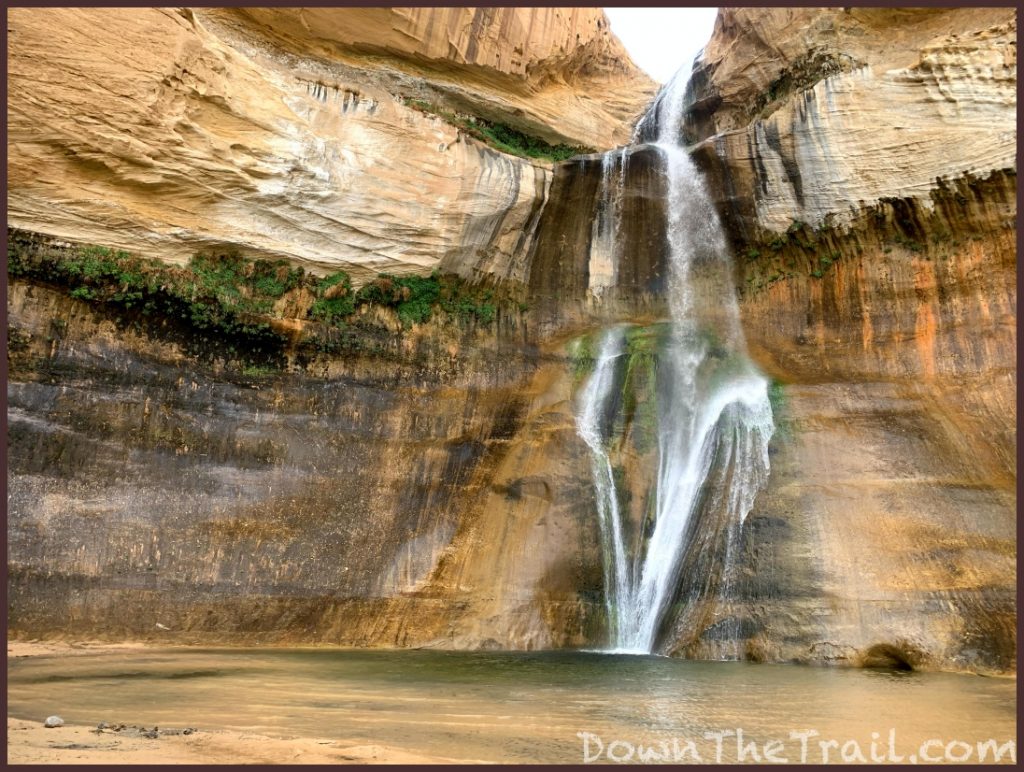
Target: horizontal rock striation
{"type": "Point", "coordinates": [864, 162]}
{"type": "Point", "coordinates": [559, 73]}
{"type": "Point", "coordinates": [427, 492]}
{"type": "Point", "coordinates": [803, 114]}
{"type": "Point", "coordinates": [431, 489]}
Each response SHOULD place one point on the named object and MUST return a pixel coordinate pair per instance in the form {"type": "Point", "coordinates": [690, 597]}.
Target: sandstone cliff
{"type": "Point", "coordinates": [281, 132]}
{"type": "Point", "coordinates": [864, 161]}
{"type": "Point", "coordinates": [431, 489]}
{"type": "Point", "coordinates": [807, 114]}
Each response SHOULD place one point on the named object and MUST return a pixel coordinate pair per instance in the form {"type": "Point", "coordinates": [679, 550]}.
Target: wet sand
{"type": "Point", "coordinates": [19, 649]}
{"type": "Point", "coordinates": [29, 742]}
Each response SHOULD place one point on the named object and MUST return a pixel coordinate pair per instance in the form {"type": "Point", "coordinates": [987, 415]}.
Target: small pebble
{"type": "Point", "coordinates": [53, 721]}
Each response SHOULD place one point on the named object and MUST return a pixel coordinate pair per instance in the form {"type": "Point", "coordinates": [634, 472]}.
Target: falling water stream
{"type": "Point", "coordinates": [714, 419]}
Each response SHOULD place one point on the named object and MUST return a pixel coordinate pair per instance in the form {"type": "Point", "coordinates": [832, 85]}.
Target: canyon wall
{"type": "Point", "coordinates": [425, 487]}
{"type": "Point", "coordinates": [381, 498]}
{"type": "Point", "coordinates": [279, 132]}
{"type": "Point", "coordinates": [864, 161]}
{"type": "Point", "coordinates": [429, 488]}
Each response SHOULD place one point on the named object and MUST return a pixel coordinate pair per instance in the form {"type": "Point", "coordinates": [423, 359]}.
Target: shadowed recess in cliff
{"type": "Point", "coordinates": [713, 419]}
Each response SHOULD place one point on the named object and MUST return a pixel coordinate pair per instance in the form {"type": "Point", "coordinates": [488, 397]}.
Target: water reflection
{"type": "Point", "coordinates": [495, 706]}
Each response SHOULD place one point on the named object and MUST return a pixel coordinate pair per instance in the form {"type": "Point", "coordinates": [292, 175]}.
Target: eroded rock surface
{"type": "Point", "coordinates": [807, 114]}
{"type": "Point", "coordinates": [864, 163]}
{"type": "Point", "coordinates": [435, 492]}
{"type": "Point", "coordinates": [164, 131]}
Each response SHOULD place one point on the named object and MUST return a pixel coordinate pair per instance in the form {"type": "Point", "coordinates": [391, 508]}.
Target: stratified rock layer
{"type": "Point", "coordinates": [558, 73]}
{"type": "Point", "coordinates": [163, 132]}
{"type": "Point", "coordinates": [864, 162]}
{"type": "Point", "coordinates": [807, 114]}
{"type": "Point", "coordinates": [429, 492]}
{"type": "Point", "coordinates": [435, 492]}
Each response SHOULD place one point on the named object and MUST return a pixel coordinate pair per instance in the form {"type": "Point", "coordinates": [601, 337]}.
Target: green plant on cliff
{"type": "Point", "coordinates": [412, 297]}
{"type": "Point", "coordinates": [335, 300]}
{"type": "Point", "coordinates": [415, 298]}
{"type": "Point", "coordinates": [225, 304]}
{"type": "Point", "coordinates": [227, 292]}
{"type": "Point", "coordinates": [581, 357]}
{"type": "Point", "coordinates": [501, 136]}
{"type": "Point", "coordinates": [213, 293]}
{"type": "Point", "coordinates": [465, 303]}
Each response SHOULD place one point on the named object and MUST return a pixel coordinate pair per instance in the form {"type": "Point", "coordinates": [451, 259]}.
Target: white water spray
{"type": "Point", "coordinates": [714, 414]}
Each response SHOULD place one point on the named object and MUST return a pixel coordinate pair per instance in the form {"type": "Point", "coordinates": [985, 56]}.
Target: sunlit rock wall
{"type": "Point", "coordinates": [808, 114]}
{"type": "Point", "coordinates": [435, 492]}
{"type": "Point", "coordinates": [165, 131]}
{"type": "Point", "coordinates": [864, 164]}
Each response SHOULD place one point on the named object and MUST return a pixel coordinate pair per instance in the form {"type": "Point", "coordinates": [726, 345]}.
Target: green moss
{"type": "Point", "coordinates": [335, 299]}
{"type": "Point", "coordinates": [223, 305]}
{"type": "Point", "coordinates": [258, 371]}
{"type": "Point", "coordinates": [581, 357]}
{"type": "Point", "coordinates": [215, 294]}
{"type": "Point", "coordinates": [416, 298]}
{"type": "Point", "coordinates": [780, 409]}
{"type": "Point", "coordinates": [639, 383]}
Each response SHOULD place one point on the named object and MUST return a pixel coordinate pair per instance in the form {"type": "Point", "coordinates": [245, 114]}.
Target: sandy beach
{"type": "Point", "coordinates": [30, 742]}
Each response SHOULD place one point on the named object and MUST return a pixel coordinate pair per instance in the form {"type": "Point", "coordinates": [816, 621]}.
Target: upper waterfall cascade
{"type": "Point", "coordinates": [714, 417]}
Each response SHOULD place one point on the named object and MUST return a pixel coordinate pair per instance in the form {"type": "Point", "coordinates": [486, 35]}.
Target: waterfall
{"type": "Point", "coordinates": [713, 412]}
{"type": "Point", "coordinates": [603, 241]}
{"type": "Point", "coordinates": [600, 388]}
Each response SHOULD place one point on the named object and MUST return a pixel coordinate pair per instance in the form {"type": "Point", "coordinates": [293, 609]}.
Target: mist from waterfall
{"type": "Point", "coordinates": [714, 418]}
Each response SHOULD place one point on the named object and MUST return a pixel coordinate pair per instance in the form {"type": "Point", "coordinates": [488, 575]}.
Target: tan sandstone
{"type": "Point", "coordinates": [164, 131]}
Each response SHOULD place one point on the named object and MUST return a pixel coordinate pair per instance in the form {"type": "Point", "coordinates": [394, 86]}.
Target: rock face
{"type": "Point", "coordinates": [164, 132]}
{"type": "Point", "coordinates": [557, 72]}
{"type": "Point", "coordinates": [431, 493]}
{"type": "Point", "coordinates": [898, 483]}
{"type": "Point", "coordinates": [865, 163]}
{"type": "Point", "coordinates": [434, 491]}
{"type": "Point", "coordinates": [808, 114]}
